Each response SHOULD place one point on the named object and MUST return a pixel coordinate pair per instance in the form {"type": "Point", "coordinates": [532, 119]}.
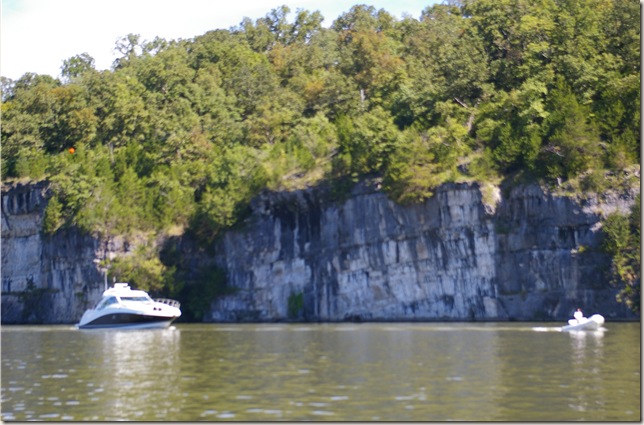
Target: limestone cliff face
{"type": "Point", "coordinates": [44, 279]}
{"type": "Point", "coordinates": [528, 256]}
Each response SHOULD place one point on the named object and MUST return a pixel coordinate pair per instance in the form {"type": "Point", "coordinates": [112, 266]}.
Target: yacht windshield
{"type": "Point", "coordinates": [136, 299]}
{"type": "Point", "coordinates": [106, 301]}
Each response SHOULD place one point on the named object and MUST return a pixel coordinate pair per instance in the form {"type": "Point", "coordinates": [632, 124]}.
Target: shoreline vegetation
{"type": "Point", "coordinates": [179, 135]}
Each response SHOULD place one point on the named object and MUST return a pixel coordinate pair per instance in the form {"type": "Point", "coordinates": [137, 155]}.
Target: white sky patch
{"type": "Point", "coordinates": [38, 35]}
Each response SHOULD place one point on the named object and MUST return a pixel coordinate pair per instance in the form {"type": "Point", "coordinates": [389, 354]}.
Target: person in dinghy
{"type": "Point", "coordinates": [578, 317]}
{"type": "Point", "coordinates": [583, 323]}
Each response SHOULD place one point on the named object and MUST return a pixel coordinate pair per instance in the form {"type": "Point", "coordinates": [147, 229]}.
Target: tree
{"type": "Point", "coordinates": [413, 173]}
{"type": "Point", "coordinates": [53, 216]}
{"type": "Point", "coordinates": [173, 201]}
{"type": "Point", "coordinates": [6, 88]}
{"type": "Point", "coordinates": [142, 269]}
{"type": "Point", "coordinates": [27, 118]}
{"type": "Point", "coordinates": [274, 119]}
{"type": "Point", "coordinates": [232, 178]}
{"type": "Point", "coordinates": [77, 66]}
{"type": "Point", "coordinates": [130, 47]}
{"type": "Point", "coordinates": [496, 23]}
{"type": "Point", "coordinates": [367, 141]}
{"type": "Point", "coordinates": [368, 54]}
{"type": "Point", "coordinates": [121, 110]}
{"type": "Point", "coordinates": [571, 138]}
{"type": "Point", "coordinates": [511, 124]}
{"type": "Point", "coordinates": [248, 77]}
{"type": "Point", "coordinates": [450, 47]}
{"type": "Point", "coordinates": [73, 122]}
{"type": "Point", "coordinates": [329, 92]}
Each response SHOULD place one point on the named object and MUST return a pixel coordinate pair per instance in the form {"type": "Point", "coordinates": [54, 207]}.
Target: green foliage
{"type": "Point", "coordinates": [200, 293]}
{"type": "Point", "coordinates": [295, 305]}
{"type": "Point", "coordinates": [622, 241]}
{"type": "Point", "coordinates": [367, 141]}
{"type": "Point", "coordinates": [573, 141]}
{"type": "Point", "coordinates": [423, 161]}
{"type": "Point", "coordinates": [30, 164]}
{"type": "Point", "coordinates": [196, 287]}
{"type": "Point", "coordinates": [180, 134]}
{"type": "Point", "coordinates": [53, 216]}
{"type": "Point", "coordinates": [34, 301]}
{"type": "Point", "coordinates": [77, 66]}
{"type": "Point", "coordinates": [143, 270]}
{"type": "Point", "coordinates": [232, 179]}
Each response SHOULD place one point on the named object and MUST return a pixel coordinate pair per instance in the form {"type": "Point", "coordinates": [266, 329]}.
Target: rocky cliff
{"type": "Point", "coordinates": [527, 255]}
{"type": "Point", "coordinates": [522, 255]}
{"type": "Point", "coordinates": [46, 279]}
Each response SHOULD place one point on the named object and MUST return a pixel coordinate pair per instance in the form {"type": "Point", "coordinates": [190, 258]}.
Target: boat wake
{"type": "Point", "coordinates": [546, 329]}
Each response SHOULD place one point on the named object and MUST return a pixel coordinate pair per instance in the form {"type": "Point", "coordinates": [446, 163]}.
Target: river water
{"type": "Point", "coordinates": [322, 372]}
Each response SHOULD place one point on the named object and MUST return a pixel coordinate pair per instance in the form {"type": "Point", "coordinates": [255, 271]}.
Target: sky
{"type": "Point", "coordinates": [38, 35]}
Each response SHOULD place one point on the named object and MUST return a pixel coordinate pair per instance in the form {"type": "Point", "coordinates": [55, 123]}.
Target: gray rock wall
{"type": "Point", "coordinates": [532, 256]}
{"type": "Point", "coordinates": [527, 256]}
{"type": "Point", "coordinates": [45, 279]}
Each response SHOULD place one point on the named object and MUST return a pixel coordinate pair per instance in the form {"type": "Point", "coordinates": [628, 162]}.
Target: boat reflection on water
{"type": "Point", "coordinates": [587, 357]}
{"type": "Point", "coordinates": [143, 365]}
{"type": "Point", "coordinates": [580, 340]}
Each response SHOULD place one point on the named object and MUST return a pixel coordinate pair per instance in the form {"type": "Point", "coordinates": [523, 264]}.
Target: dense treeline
{"type": "Point", "coordinates": [180, 134]}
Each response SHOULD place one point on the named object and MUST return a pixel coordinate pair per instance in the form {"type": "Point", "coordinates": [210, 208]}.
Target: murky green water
{"type": "Point", "coordinates": [335, 372]}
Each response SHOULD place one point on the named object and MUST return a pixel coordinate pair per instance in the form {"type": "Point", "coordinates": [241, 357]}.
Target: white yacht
{"type": "Point", "coordinates": [124, 307]}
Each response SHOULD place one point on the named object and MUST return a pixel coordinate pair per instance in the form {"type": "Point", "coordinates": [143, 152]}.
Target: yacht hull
{"type": "Point", "coordinates": [127, 320]}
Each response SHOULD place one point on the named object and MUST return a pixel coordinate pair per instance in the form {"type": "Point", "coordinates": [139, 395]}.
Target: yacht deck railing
{"type": "Point", "coordinates": [172, 303]}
